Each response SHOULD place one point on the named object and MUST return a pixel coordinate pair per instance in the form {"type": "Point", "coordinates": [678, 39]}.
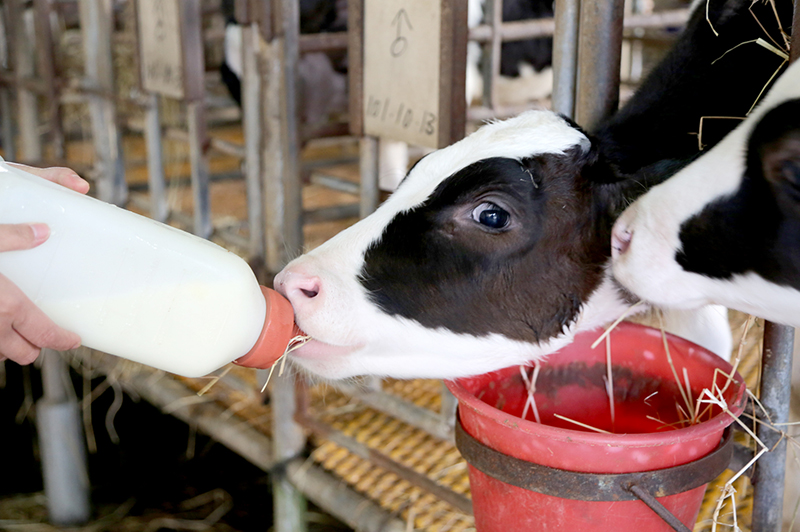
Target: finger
{"type": "Point", "coordinates": [35, 327]}
{"type": "Point", "coordinates": [22, 236]}
{"type": "Point", "coordinates": [18, 313]}
{"type": "Point", "coordinates": [17, 348]}
{"type": "Point", "coordinates": [58, 174]}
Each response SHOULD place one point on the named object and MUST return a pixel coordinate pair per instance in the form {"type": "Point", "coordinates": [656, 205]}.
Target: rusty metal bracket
{"type": "Point", "coordinates": [592, 486]}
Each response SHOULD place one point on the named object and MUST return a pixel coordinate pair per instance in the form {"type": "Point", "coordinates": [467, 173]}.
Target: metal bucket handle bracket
{"type": "Point", "coordinates": [644, 486]}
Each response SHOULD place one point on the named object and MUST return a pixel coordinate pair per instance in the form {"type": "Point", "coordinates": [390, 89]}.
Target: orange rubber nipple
{"type": "Point", "coordinates": [279, 329]}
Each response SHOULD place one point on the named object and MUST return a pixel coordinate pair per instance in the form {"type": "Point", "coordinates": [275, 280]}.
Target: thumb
{"type": "Point", "coordinates": [22, 236]}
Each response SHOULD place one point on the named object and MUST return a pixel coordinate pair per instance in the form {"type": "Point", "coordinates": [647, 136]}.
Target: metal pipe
{"type": "Point", "coordinates": [775, 395]}
{"type": "Point", "coordinates": [323, 42]}
{"type": "Point", "coordinates": [491, 66]}
{"type": "Point", "coordinates": [63, 453]}
{"type": "Point", "coordinates": [599, 48]}
{"type": "Point", "coordinates": [159, 208]}
{"type": "Point", "coordinates": [201, 195]}
{"type": "Point", "coordinates": [368, 170]}
{"type": "Point", "coordinates": [520, 30]}
{"type": "Point", "coordinates": [565, 56]}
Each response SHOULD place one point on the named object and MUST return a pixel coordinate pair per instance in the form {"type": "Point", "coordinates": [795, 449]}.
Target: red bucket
{"type": "Point", "coordinates": [571, 383]}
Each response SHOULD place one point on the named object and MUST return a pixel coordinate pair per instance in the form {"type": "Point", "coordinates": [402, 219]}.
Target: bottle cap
{"type": "Point", "coordinates": [279, 329]}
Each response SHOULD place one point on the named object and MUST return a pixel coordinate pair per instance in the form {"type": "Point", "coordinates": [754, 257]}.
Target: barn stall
{"type": "Point", "coordinates": [265, 182]}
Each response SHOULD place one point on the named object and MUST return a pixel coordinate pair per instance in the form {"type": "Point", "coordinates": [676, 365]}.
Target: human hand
{"type": "Point", "coordinates": [24, 328]}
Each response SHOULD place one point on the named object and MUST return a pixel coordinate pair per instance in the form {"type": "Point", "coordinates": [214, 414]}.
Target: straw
{"type": "Point", "coordinates": [584, 425]}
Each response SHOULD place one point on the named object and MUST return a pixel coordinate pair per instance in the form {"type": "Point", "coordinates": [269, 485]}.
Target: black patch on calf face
{"type": "Point", "coordinates": [757, 229]}
{"type": "Point", "coordinates": [437, 264]}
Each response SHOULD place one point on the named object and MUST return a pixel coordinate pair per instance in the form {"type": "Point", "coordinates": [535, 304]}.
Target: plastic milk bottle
{"type": "Point", "coordinates": [139, 289]}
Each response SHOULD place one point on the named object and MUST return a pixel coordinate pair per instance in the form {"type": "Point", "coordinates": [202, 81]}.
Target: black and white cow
{"type": "Point", "coordinates": [726, 229]}
{"type": "Point", "coordinates": [495, 251]}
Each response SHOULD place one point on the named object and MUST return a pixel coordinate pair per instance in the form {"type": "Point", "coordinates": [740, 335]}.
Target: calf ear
{"type": "Point", "coordinates": [780, 159]}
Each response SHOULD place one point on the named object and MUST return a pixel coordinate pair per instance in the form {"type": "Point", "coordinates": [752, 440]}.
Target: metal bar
{"type": "Point", "coordinates": [335, 212]}
{"type": "Point", "coordinates": [517, 30]}
{"type": "Point", "coordinates": [345, 504]}
{"type": "Point", "coordinates": [407, 412]}
{"type": "Point", "coordinates": [520, 30]}
{"type": "Point", "coordinates": [565, 56]}
{"type": "Point", "coordinates": [457, 500]}
{"type": "Point", "coordinates": [493, 10]}
{"type": "Point", "coordinates": [96, 23]}
{"type": "Point", "coordinates": [323, 42]}
{"type": "Point", "coordinates": [599, 47]}
{"type": "Point", "coordinates": [293, 203]}
{"type": "Point", "coordinates": [288, 437]}
{"type": "Point", "coordinates": [659, 509]}
{"type": "Point", "coordinates": [368, 172]}
{"type": "Point", "coordinates": [47, 72]}
{"type": "Point", "coordinates": [201, 195]}
{"type": "Point", "coordinates": [335, 183]}
{"type": "Point", "coordinates": [63, 452]}
{"type": "Point", "coordinates": [31, 84]}
{"type": "Point", "coordinates": [159, 209]}
{"type": "Point", "coordinates": [775, 395]}
{"type": "Point", "coordinates": [576, 485]}
{"type": "Point", "coordinates": [27, 101]}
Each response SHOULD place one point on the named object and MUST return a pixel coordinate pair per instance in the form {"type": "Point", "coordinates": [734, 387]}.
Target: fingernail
{"type": "Point", "coordinates": [40, 232]}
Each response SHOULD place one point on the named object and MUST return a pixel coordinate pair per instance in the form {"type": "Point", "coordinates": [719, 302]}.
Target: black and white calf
{"type": "Point", "coordinates": [495, 251]}
{"type": "Point", "coordinates": [726, 229]}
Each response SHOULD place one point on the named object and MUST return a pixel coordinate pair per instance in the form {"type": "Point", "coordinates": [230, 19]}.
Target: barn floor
{"type": "Point", "coordinates": [234, 409]}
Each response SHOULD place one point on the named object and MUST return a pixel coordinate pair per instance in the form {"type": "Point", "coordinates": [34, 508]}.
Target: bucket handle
{"type": "Point", "coordinates": [644, 486]}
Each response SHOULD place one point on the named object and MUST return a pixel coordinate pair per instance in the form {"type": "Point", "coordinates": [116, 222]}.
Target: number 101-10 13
{"type": "Point", "coordinates": [401, 115]}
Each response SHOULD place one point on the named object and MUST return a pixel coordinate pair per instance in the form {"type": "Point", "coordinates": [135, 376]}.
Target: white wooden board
{"type": "Point", "coordinates": [160, 53]}
{"type": "Point", "coordinates": [402, 54]}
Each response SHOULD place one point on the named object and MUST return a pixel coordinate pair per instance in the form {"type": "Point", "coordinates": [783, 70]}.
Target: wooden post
{"type": "Point", "coordinates": [96, 20]}
{"type": "Point", "coordinates": [278, 56]}
{"type": "Point", "coordinates": [280, 150]}
{"type": "Point", "coordinates": [252, 122]}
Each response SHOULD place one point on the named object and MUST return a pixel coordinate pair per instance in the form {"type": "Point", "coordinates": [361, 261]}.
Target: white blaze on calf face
{"type": "Point", "coordinates": [725, 229]}
{"type": "Point", "coordinates": [529, 165]}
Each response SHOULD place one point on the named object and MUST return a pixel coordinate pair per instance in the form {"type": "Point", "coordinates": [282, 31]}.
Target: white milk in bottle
{"type": "Point", "coordinates": [136, 288]}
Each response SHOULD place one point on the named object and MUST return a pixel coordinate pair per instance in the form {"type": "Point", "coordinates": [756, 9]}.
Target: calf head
{"type": "Point", "coordinates": [726, 229]}
{"type": "Point", "coordinates": [492, 252]}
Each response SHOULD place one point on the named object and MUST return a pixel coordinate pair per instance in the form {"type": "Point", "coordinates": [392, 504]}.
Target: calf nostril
{"type": "Point", "coordinates": [309, 293]}
{"type": "Point", "coordinates": [620, 239]}
{"type": "Point", "coordinates": [304, 286]}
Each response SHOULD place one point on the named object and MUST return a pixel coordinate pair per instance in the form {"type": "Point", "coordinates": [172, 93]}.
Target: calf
{"type": "Point", "coordinates": [495, 251]}
{"type": "Point", "coordinates": [726, 229]}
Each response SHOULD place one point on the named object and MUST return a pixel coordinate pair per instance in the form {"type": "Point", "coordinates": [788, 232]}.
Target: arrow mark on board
{"type": "Point", "coordinates": [400, 43]}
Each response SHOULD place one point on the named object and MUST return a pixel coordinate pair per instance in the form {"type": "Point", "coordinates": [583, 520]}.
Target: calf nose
{"type": "Point", "coordinates": [620, 238]}
{"type": "Point", "coordinates": [297, 287]}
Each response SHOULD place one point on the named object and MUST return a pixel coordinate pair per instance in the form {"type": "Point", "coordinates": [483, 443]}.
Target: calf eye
{"type": "Point", "coordinates": [491, 216]}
